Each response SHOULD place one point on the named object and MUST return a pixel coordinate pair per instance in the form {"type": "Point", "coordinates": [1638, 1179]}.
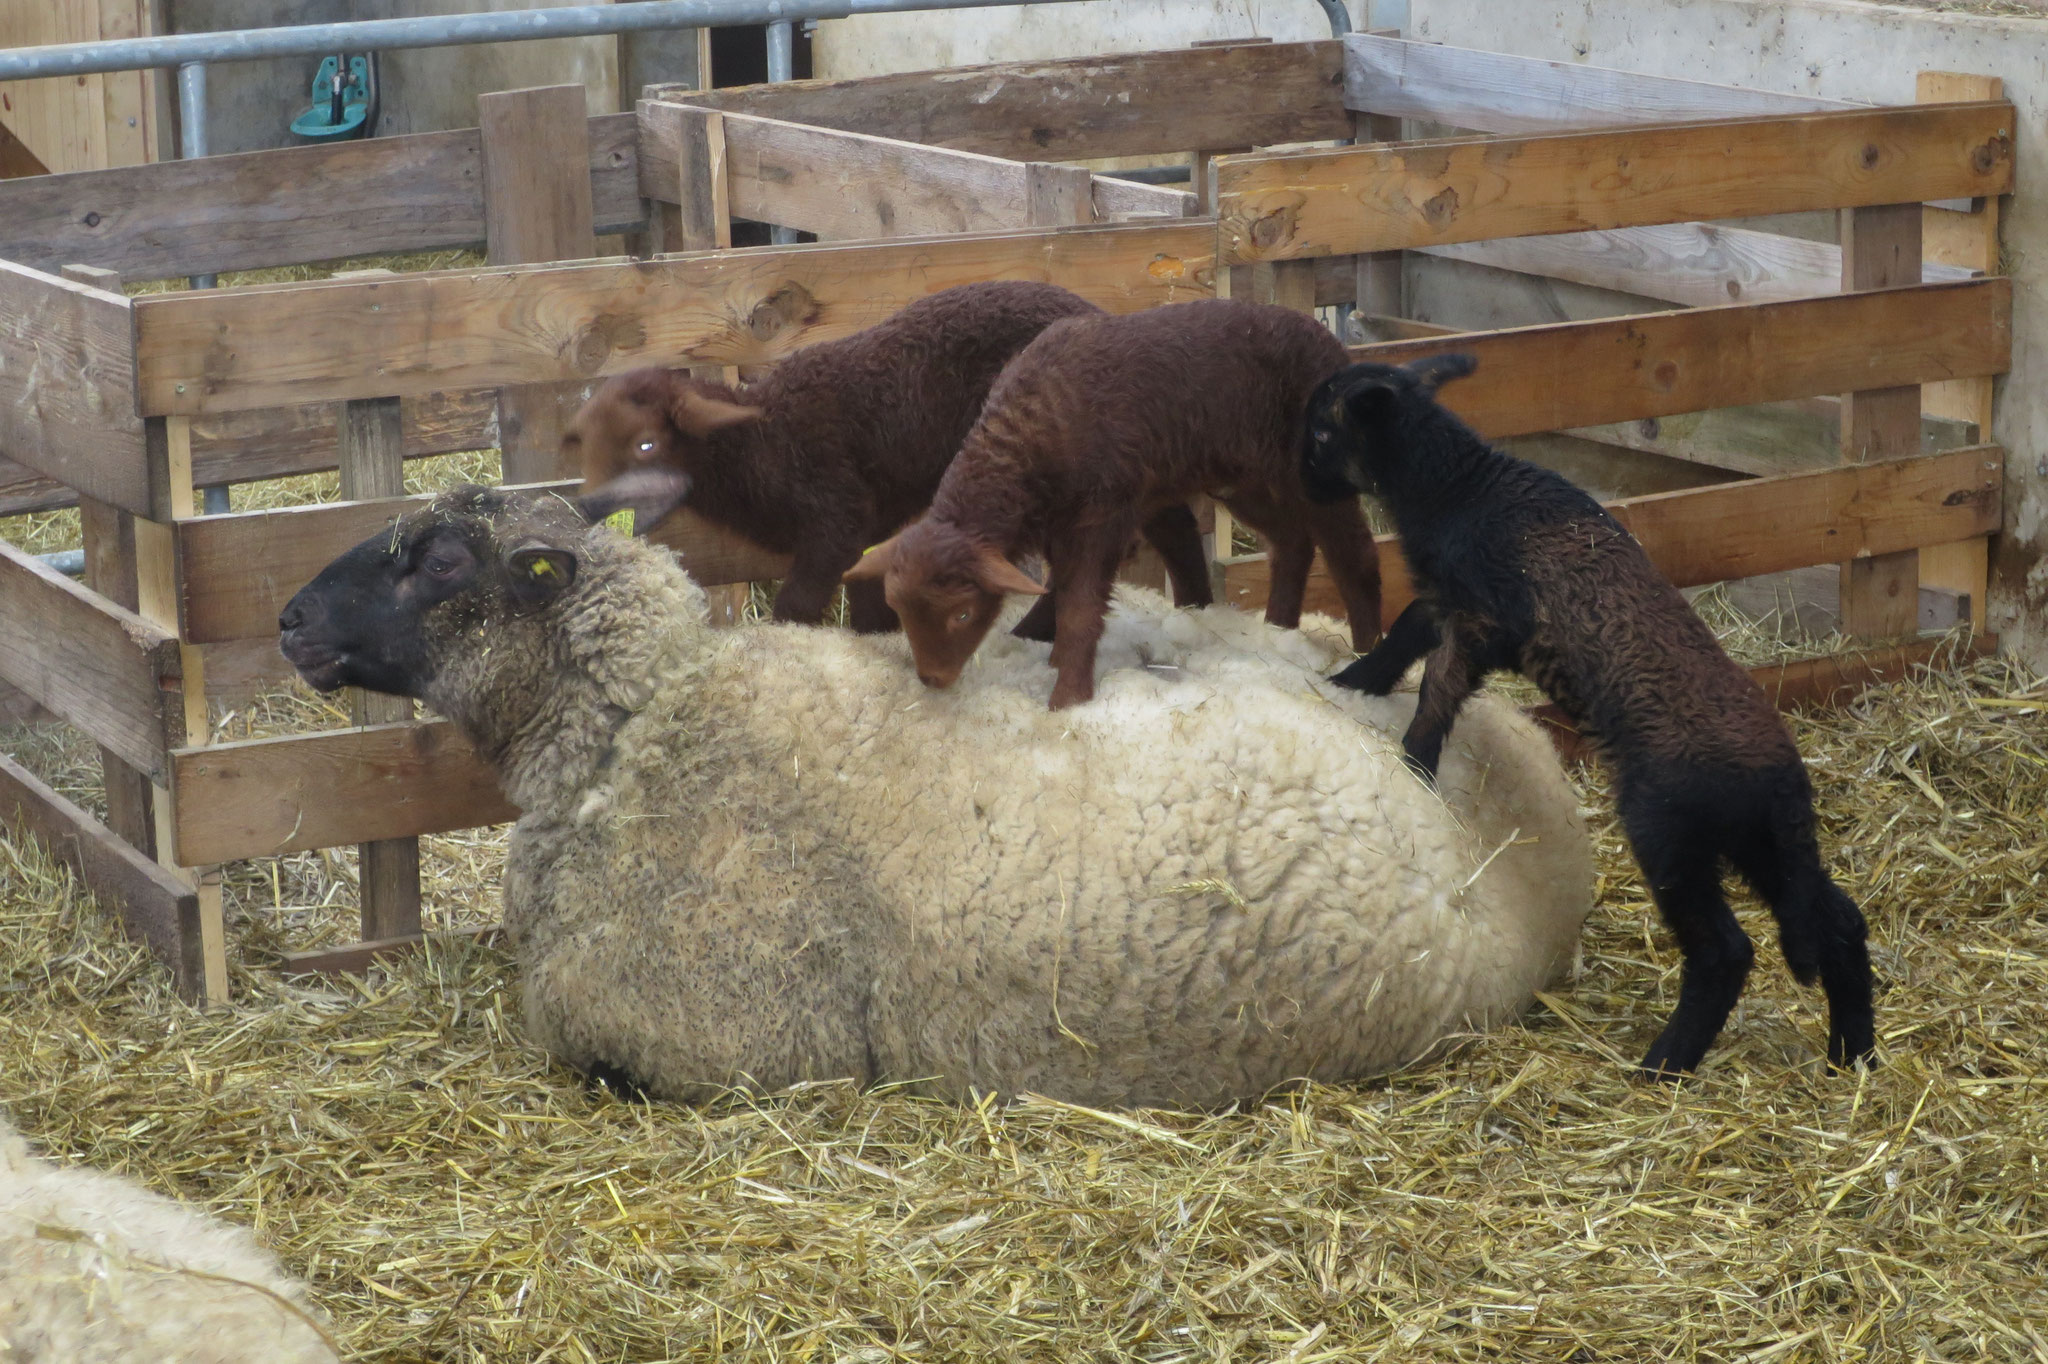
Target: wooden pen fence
{"type": "Point", "coordinates": [1850, 358]}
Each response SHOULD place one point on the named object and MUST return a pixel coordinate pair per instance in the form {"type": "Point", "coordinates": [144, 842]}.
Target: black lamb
{"type": "Point", "coordinates": [1515, 568]}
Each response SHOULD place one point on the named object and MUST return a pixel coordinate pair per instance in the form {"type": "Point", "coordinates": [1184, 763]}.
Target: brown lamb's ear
{"type": "Point", "coordinates": [873, 565]}
{"type": "Point", "coordinates": [997, 574]}
{"type": "Point", "coordinates": [700, 414]}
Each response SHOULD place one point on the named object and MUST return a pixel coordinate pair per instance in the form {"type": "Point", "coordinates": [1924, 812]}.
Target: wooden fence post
{"type": "Point", "coordinates": [388, 871]}
{"type": "Point", "coordinates": [1881, 592]}
{"type": "Point", "coordinates": [537, 207]}
{"type": "Point", "coordinates": [1969, 240]}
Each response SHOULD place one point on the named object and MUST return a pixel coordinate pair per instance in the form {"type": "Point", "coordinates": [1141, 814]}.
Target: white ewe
{"type": "Point", "coordinates": [769, 855]}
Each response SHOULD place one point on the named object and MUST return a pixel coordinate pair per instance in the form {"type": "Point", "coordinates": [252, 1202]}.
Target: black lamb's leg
{"type": "Point", "coordinates": [1414, 634]}
{"type": "Point", "coordinates": [1682, 866]}
{"type": "Point", "coordinates": [1450, 675]}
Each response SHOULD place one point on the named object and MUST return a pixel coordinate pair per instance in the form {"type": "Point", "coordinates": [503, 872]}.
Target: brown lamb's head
{"type": "Point", "coordinates": [946, 588]}
{"type": "Point", "coordinates": [640, 436]}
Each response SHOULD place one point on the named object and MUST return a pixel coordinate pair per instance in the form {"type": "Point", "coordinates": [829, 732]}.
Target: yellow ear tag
{"type": "Point", "coordinates": [621, 521]}
{"type": "Point", "coordinates": [541, 569]}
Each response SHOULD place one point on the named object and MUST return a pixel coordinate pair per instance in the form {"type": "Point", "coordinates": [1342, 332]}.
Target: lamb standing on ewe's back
{"type": "Point", "coordinates": [838, 447]}
{"type": "Point", "coordinates": [767, 855]}
{"type": "Point", "coordinates": [96, 1270]}
{"type": "Point", "coordinates": [1097, 424]}
{"type": "Point", "coordinates": [1516, 569]}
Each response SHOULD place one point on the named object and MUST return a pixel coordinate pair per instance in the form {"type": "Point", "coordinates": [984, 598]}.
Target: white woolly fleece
{"type": "Point", "coordinates": [1216, 877]}
{"type": "Point", "coordinates": [96, 1270]}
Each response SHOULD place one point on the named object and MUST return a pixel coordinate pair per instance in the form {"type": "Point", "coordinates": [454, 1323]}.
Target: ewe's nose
{"type": "Point", "coordinates": [291, 618]}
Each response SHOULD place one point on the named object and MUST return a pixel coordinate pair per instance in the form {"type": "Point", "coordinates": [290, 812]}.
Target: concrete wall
{"type": "Point", "coordinates": [877, 44]}
{"type": "Point", "coordinates": [1845, 49]}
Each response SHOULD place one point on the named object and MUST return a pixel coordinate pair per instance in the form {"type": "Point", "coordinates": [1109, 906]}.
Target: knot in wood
{"type": "Point", "coordinates": [1870, 156]}
{"type": "Point", "coordinates": [789, 307]}
{"type": "Point", "coordinates": [1273, 229]}
{"type": "Point", "coordinates": [1988, 155]}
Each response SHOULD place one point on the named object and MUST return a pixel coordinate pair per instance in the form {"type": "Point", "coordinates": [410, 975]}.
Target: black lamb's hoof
{"type": "Point", "coordinates": [1424, 772]}
{"type": "Point", "coordinates": [1661, 1065]}
{"type": "Point", "coordinates": [1363, 675]}
{"type": "Point", "coordinates": [1845, 1053]}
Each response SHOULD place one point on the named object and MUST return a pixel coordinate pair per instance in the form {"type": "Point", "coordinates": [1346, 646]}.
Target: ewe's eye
{"type": "Point", "coordinates": [1322, 438]}
{"type": "Point", "coordinates": [439, 566]}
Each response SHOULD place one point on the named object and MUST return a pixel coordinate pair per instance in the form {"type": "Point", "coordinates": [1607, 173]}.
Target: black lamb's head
{"type": "Point", "coordinates": [1362, 424]}
{"type": "Point", "coordinates": [473, 563]}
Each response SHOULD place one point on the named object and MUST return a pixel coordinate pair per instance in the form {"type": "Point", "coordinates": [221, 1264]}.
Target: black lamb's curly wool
{"type": "Point", "coordinates": [1517, 569]}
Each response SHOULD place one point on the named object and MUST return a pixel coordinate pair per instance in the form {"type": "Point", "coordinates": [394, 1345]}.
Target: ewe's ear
{"type": "Point", "coordinates": [1434, 371]}
{"type": "Point", "coordinates": [873, 565]}
{"type": "Point", "coordinates": [650, 493]}
{"type": "Point", "coordinates": [699, 414]}
{"type": "Point", "coordinates": [997, 574]}
{"type": "Point", "coordinates": [539, 573]}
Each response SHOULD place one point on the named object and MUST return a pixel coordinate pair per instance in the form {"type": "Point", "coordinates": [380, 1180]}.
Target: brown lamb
{"type": "Point", "coordinates": [837, 447]}
{"type": "Point", "coordinates": [1100, 423]}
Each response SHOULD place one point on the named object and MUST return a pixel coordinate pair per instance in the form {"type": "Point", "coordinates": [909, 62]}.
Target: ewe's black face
{"type": "Point", "coordinates": [1359, 431]}
{"type": "Point", "coordinates": [382, 615]}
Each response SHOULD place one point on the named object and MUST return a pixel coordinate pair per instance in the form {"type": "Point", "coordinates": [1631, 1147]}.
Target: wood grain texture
{"type": "Point", "coordinates": [1696, 264]}
{"type": "Point", "coordinates": [16, 160]}
{"type": "Point", "coordinates": [1114, 196]}
{"type": "Point", "coordinates": [67, 386]}
{"type": "Point", "coordinates": [1742, 529]}
{"type": "Point", "coordinates": [1057, 196]}
{"type": "Point", "coordinates": [97, 665]}
{"type": "Point", "coordinates": [1493, 92]}
{"type": "Point", "coordinates": [251, 210]}
{"type": "Point", "coordinates": [1379, 198]}
{"type": "Point", "coordinates": [1765, 438]}
{"type": "Point", "coordinates": [278, 345]}
{"type": "Point", "coordinates": [1139, 104]}
{"type": "Point", "coordinates": [240, 570]}
{"type": "Point", "coordinates": [1552, 378]}
{"type": "Point", "coordinates": [156, 908]}
{"type": "Point", "coordinates": [262, 797]}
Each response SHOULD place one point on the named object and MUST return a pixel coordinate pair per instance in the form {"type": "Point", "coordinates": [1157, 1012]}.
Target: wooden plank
{"type": "Point", "coordinates": [388, 871]}
{"type": "Point", "coordinates": [1379, 198]}
{"type": "Point", "coordinates": [1766, 438]}
{"type": "Point", "coordinates": [1056, 196]}
{"type": "Point", "coordinates": [1572, 374]}
{"type": "Point", "coordinates": [103, 668]}
{"type": "Point", "coordinates": [67, 386]}
{"type": "Point", "coordinates": [1135, 104]}
{"type": "Point", "coordinates": [1881, 594]}
{"type": "Point", "coordinates": [262, 797]}
{"type": "Point", "coordinates": [16, 160]}
{"type": "Point", "coordinates": [241, 569]}
{"type": "Point", "coordinates": [1696, 264]}
{"type": "Point", "coordinates": [1494, 92]}
{"type": "Point", "coordinates": [222, 350]}
{"type": "Point", "coordinates": [537, 207]}
{"type": "Point", "coordinates": [355, 957]}
{"type": "Point", "coordinates": [155, 907]}
{"type": "Point", "coordinates": [1750, 527]}
{"type": "Point", "coordinates": [252, 210]}
{"type": "Point", "coordinates": [1114, 197]}
{"type": "Point", "coordinates": [837, 184]}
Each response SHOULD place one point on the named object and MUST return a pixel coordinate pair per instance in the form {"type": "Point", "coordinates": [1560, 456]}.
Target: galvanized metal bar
{"type": "Point", "coordinates": [781, 67]}
{"type": "Point", "coordinates": [440, 30]}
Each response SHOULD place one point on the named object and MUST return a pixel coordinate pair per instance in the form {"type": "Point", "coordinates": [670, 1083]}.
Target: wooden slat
{"type": "Point", "coordinates": [1697, 264]}
{"type": "Point", "coordinates": [1114, 196]}
{"type": "Point", "coordinates": [1136, 104]}
{"type": "Point", "coordinates": [1494, 92]}
{"type": "Point", "coordinates": [1569, 374]}
{"type": "Point", "coordinates": [1379, 198]}
{"type": "Point", "coordinates": [67, 386]}
{"type": "Point", "coordinates": [1755, 526]}
{"type": "Point", "coordinates": [361, 956]}
{"type": "Point", "coordinates": [155, 907]}
{"type": "Point", "coordinates": [1766, 438]}
{"type": "Point", "coordinates": [276, 345]}
{"type": "Point", "coordinates": [240, 570]}
{"type": "Point", "coordinates": [262, 797]}
{"type": "Point", "coordinates": [16, 160]}
{"type": "Point", "coordinates": [837, 184]}
{"type": "Point", "coordinates": [103, 668]}
{"type": "Point", "coordinates": [251, 210]}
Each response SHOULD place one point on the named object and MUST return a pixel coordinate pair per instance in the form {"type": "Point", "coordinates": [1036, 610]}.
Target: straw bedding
{"type": "Point", "coordinates": [451, 1196]}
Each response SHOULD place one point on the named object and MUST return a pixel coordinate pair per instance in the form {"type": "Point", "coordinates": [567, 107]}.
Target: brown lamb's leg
{"type": "Point", "coordinates": [807, 592]}
{"type": "Point", "coordinates": [1448, 677]}
{"type": "Point", "coordinates": [1085, 573]}
{"type": "Point", "coordinates": [1174, 532]}
{"type": "Point", "coordinates": [1289, 550]}
{"type": "Point", "coordinates": [1353, 559]}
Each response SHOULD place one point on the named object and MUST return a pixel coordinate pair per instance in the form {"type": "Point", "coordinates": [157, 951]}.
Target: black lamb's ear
{"type": "Point", "coordinates": [1434, 371]}
{"type": "Point", "coordinates": [539, 572]}
{"type": "Point", "coordinates": [650, 493]}
{"type": "Point", "coordinates": [1371, 402]}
